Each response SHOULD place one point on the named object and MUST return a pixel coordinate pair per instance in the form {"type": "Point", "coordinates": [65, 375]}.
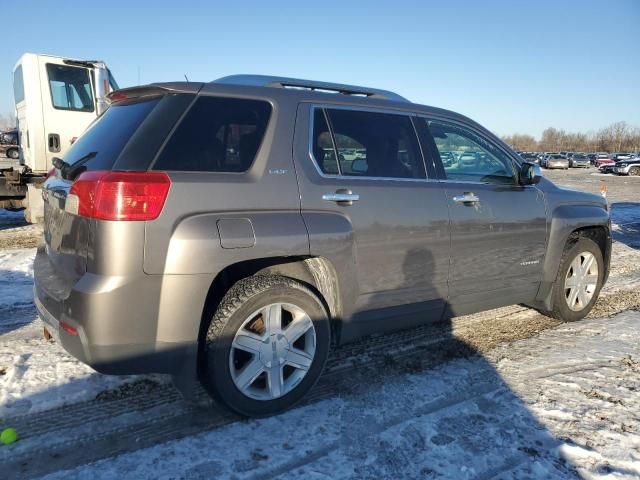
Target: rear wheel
{"type": "Point", "coordinates": [265, 346]}
{"type": "Point", "coordinates": [13, 153]}
{"type": "Point", "coordinates": [634, 171]}
{"type": "Point", "coordinates": [579, 280]}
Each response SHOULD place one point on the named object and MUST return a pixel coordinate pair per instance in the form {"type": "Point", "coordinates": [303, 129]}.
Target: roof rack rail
{"type": "Point", "coordinates": [297, 83]}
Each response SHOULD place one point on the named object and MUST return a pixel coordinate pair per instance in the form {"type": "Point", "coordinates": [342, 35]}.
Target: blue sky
{"type": "Point", "coordinates": [512, 65]}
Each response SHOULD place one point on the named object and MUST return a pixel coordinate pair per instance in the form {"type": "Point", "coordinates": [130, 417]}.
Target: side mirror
{"type": "Point", "coordinates": [530, 173]}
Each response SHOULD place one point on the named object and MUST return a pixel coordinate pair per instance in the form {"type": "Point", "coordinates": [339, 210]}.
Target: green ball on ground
{"type": "Point", "coordinates": [8, 436]}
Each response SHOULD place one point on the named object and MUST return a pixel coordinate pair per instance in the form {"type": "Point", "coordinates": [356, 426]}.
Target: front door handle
{"type": "Point", "coordinates": [467, 198]}
{"type": "Point", "coordinates": [344, 197]}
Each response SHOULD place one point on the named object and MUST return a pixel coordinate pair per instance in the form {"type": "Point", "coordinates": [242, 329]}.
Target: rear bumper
{"type": "Point", "coordinates": [116, 319]}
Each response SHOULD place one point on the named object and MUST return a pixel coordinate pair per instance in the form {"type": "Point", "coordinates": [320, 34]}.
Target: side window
{"type": "Point", "coordinates": [70, 87]}
{"type": "Point", "coordinates": [376, 144]}
{"type": "Point", "coordinates": [217, 135]}
{"type": "Point", "coordinates": [468, 157]}
{"type": "Point", "coordinates": [18, 85]}
{"type": "Point", "coordinates": [367, 144]}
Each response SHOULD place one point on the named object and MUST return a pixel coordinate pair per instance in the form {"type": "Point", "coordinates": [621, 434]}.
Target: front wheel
{"type": "Point", "coordinates": [634, 171]}
{"type": "Point", "coordinates": [13, 153]}
{"type": "Point", "coordinates": [579, 280]}
{"type": "Point", "coordinates": [265, 346]}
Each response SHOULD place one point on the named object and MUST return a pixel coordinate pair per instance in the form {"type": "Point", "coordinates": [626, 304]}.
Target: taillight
{"type": "Point", "coordinates": [51, 173]}
{"type": "Point", "coordinates": [119, 195]}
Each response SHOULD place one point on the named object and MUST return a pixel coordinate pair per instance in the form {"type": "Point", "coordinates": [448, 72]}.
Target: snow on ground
{"type": "Point", "coordinates": [36, 375]}
{"type": "Point", "coordinates": [560, 404]}
{"type": "Point", "coordinates": [563, 403]}
{"type": "Point", "coordinates": [16, 278]}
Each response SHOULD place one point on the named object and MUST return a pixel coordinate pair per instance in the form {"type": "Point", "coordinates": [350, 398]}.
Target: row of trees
{"type": "Point", "coordinates": [617, 137]}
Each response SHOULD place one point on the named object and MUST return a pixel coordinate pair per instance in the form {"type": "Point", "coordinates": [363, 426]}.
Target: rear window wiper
{"type": "Point", "coordinates": [67, 171]}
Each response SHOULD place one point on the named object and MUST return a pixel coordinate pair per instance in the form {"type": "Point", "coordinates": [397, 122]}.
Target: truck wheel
{"type": "Point", "coordinates": [13, 153]}
{"type": "Point", "coordinates": [265, 346]}
{"type": "Point", "coordinates": [634, 171]}
{"type": "Point", "coordinates": [579, 280]}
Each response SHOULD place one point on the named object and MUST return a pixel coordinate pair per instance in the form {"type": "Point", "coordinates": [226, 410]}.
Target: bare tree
{"type": "Point", "coordinates": [617, 137]}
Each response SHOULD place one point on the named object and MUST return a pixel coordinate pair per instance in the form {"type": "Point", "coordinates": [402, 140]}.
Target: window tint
{"type": "Point", "coordinates": [323, 150]}
{"type": "Point", "coordinates": [217, 135]}
{"type": "Point", "coordinates": [70, 87]}
{"type": "Point", "coordinates": [375, 144]}
{"type": "Point", "coordinates": [18, 85]}
{"type": "Point", "coordinates": [103, 141]}
{"type": "Point", "coordinates": [468, 157]}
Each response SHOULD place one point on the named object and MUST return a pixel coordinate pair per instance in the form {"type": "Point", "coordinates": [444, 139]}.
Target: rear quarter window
{"type": "Point", "coordinates": [217, 135]}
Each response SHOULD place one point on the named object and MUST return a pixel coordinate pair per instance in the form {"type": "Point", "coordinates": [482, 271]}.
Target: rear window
{"type": "Point", "coordinates": [99, 147]}
{"type": "Point", "coordinates": [217, 135]}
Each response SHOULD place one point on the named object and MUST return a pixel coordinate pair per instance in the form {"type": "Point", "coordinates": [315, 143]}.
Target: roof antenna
{"type": "Point", "coordinates": [185, 76]}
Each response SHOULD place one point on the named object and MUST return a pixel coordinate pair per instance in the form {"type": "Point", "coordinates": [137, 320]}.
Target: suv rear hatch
{"type": "Point", "coordinates": [124, 139]}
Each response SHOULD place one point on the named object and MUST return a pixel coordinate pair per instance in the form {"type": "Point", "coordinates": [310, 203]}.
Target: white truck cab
{"type": "Point", "coordinates": [56, 100]}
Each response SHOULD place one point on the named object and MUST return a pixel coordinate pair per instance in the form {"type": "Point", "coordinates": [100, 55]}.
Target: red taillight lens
{"type": "Point", "coordinates": [120, 195]}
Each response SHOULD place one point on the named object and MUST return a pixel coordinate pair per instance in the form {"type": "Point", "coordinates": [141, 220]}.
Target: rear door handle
{"type": "Point", "coordinates": [468, 198]}
{"type": "Point", "coordinates": [345, 197]}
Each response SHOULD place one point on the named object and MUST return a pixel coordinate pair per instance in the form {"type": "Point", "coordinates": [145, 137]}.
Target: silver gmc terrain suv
{"type": "Point", "coordinates": [232, 232]}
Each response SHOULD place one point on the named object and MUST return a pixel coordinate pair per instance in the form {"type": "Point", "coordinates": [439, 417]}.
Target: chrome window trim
{"type": "Point", "coordinates": [315, 106]}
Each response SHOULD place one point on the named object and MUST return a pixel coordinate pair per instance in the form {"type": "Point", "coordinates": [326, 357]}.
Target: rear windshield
{"type": "Point", "coordinates": [99, 147]}
{"type": "Point", "coordinates": [217, 135]}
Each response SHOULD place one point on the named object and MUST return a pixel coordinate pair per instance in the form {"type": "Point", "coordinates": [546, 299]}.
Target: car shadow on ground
{"type": "Point", "coordinates": [625, 218]}
{"type": "Point", "coordinates": [389, 406]}
{"type": "Point", "coordinates": [11, 219]}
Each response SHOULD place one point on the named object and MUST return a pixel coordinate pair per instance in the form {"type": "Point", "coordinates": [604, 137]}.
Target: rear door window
{"type": "Point", "coordinates": [70, 88]}
{"type": "Point", "coordinates": [368, 144]}
{"type": "Point", "coordinates": [217, 135]}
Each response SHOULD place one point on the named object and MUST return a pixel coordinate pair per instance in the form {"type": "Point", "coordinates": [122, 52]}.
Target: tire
{"type": "Point", "coordinates": [634, 171]}
{"type": "Point", "coordinates": [242, 380]}
{"type": "Point", "coordinates": [562, 294]}
{"type": "Point", "coordinates": [13, 153]}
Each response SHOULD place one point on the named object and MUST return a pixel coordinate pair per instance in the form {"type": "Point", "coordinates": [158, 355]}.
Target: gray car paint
{"type": "Point", "coordinates": [136, 291]}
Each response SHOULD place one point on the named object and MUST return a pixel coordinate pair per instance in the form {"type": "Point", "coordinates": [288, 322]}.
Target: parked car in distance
{"type": "Point", "coordinates": [602, 159]}
{"type": "Point", "coordinates": [556, 161]}
{"type": "Point", "coordinates": [165, 252]}
{"type": "Point", "coordinates": [447, 158]}
{"type": "Point", "coordinates": [530, 157]}
{"type": "Point", "coordinates": [621, 156]}
{"type": "Point", "coordinates": [628, 167]}
{"type": "Point", "coordinates": [9, 144]}
{"type": "Point", "coordinates": [468, 159]}
{"type": "Point", "coordinates": [579, 160]}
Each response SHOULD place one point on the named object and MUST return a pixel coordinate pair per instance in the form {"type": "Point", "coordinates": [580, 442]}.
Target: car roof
{"type": "Point", "coordinates": [284, 89]}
